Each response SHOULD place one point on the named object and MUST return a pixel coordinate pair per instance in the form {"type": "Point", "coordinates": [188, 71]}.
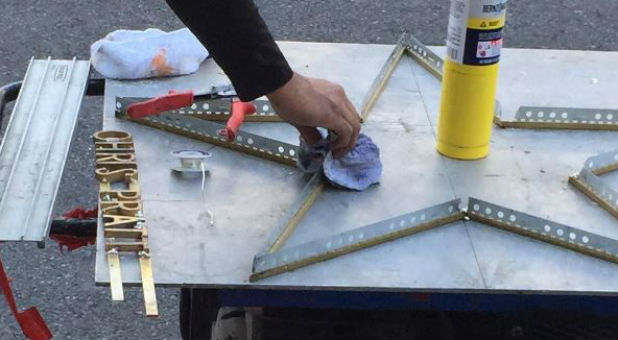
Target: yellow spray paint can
{"type": "Point", "coordinates": [470, 77]}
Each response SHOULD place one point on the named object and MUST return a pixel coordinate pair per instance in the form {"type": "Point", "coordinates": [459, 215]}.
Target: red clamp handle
{"type": "Point", "coordinates": [171, 101]}
{"type": "Point", "coordinates": [30, 321]}
{"type": "Point", "coordinates": [237, 115]}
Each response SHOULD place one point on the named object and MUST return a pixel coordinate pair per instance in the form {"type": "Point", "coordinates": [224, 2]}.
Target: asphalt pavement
{"type": "Point", "coordinates": [61, 285]}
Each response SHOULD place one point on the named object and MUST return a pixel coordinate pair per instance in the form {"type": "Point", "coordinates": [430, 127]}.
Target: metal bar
{"type": "Point", "coordinates": [148, 287]}
{"type": "Point", "coordinates": [278, 235]}
{"type": "Point", "coordinates": [122, 233]}
{"type": "Point", "coordinates": [425, 57]}
{"type": "Point", "coordinates": [596, 189]}
{"type": "Point", "coordinates": [115, 275]}
{"type": "Point", "coordinates": [206, 131]}
{"type": "Point", "coordinates": [385, 72]}
{"type": "Point", "coordinates": [210, 109]}
{"type": "Point", "coordinates": [543, 230]}
{"type": "Point", "coordinates": [305, 254]}
{"type": "Point", "coordinates": [536, 117]}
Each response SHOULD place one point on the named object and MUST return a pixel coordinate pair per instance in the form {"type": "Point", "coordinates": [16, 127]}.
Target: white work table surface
{"type": "Point", "coordinates": [526, 170]}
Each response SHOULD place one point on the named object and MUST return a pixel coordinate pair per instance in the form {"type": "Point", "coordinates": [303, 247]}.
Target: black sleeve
{"type": "Point", "coordinates": [236, 36]}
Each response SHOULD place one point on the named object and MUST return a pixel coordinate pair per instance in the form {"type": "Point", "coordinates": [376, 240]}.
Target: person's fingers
{"type": "Point", "coordinates": [344, 133]}
{"type": "Point", "coordinates": [354, 120]}
{"type": "Point", "coordinates": [309, 134]}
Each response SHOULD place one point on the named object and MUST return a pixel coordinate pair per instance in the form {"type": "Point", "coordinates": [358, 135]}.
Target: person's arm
{"type": "Point", "coordinates": [239, 41]}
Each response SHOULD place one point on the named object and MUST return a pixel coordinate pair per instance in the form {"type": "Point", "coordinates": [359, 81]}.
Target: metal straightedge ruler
{"type": "Point", "coordinates": [587, 180]}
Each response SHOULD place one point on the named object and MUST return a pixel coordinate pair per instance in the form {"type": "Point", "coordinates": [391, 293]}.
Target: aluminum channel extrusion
{"type": "Point", "coordinates": [35, 146]}
{"type": "Point", "coordinates": [206, 131]}
{"type": "Point", "coordinates": [305, 254]}
{"type": "Point", "coordinates": [543, 230]}
{"type": "Point", "coordinates": [534, 117]}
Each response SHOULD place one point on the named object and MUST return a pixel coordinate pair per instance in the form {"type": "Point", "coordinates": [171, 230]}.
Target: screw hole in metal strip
{"type": "Point", "coordinates": [206, 131]}
{"type": "Point", "coordinates": [267, 265]}
{"type": "Point", "coordinates": [535, 117]}
{"type": "Point", "coordinates": [543, 230]}
{"type": "Point", "coordinates": [425, 57]}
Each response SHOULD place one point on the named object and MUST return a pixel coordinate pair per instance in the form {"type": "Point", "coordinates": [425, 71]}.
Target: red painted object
{"type": "Point", "coordinates": [237, 115]}
{"type": "Point", "coordinates": [177, 100]}
{"type": "Point", "coordinates": [31, 322]}
{"type": "Point", "coordinates": [171, 101]}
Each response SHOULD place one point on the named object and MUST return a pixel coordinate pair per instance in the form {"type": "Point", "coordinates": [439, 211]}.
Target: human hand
{"type": "Point", "coordinates": [308, 103]}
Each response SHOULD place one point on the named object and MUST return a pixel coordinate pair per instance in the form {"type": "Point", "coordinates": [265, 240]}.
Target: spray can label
{"type": "Point", "coordinates": [475, 31]}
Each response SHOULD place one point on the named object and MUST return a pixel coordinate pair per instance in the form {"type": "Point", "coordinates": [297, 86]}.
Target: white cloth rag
{"type": "Point", "coordinates": [130, 54]}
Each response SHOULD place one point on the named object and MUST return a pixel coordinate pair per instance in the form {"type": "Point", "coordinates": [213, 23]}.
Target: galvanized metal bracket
{"type": "Point", "coordinates": [425, 57]}
{"type": "Point", "coordinates": [35, 146]}
{"type": "Point", "coordinates": [210, 109]}
{"type": "Point", "coordinates": [285, 228]}
{"type": "Point", "coordinates": [382, 78]}
{"type": "Point", "coordinates": [543, 230]}
{"type": "Point", "coordinates": [536, 117]}
{"type": "Point", "coordinates": [270, 264]}
{"type": "Point", "coordinates": [278, 261]}
{"type": "Point", "coordinates": [588, 182]}
{"type": "Point", "coordinates": [207, 131]}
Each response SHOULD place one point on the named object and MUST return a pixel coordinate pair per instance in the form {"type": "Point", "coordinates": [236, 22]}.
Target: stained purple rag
{"type": "Point", "coordinates": [357, 170]}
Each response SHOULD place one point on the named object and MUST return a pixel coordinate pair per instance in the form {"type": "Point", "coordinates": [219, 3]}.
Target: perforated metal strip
{"type": "Point", "coordinates": [211, 109]}
{"type": "Point", "coordinates": [534, 117]}
{"type": "Point", "coordinates": [382, 78]}
{"type": "Point", "coordinates": [595, 188]}
{"type": "Point", "coordinates": [206, 131]}
{"type": "Point", "coordinates": [543, 230]}
{"type": "Point", "coordinates": [282, 231]}
{"type": "Point", "coordinates": [305, 254]}
{"type": "Point", "coordinates": [603, 163]}
{"type": "Point", "coordinates": [425, 57]}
